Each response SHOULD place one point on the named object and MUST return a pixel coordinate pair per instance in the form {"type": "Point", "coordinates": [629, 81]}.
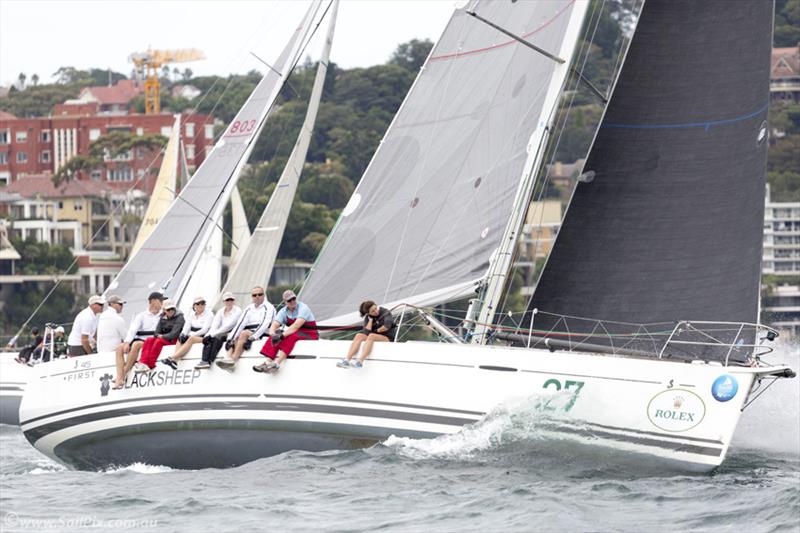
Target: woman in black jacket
{"type": "Point", "coordinates": [168, 329]}
{"type": "Point", "coordinates": [379, 326]}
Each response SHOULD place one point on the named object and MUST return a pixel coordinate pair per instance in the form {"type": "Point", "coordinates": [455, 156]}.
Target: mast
{"type": "Point", "coordinates": [500, 264]}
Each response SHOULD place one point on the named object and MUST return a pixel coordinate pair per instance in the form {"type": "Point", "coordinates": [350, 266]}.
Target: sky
{"type": "Point", "coordinates": [40, 36]}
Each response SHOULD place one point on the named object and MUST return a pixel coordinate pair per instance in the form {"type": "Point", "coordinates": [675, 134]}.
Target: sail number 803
{"type": "Point", "coordinates": [242, 127]}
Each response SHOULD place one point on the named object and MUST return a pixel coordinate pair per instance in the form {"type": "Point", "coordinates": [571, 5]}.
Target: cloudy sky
{"type": "Point", "coordinates": [39, 36]}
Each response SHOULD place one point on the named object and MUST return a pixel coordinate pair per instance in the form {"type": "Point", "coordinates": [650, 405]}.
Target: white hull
{"type": "Point", "coordinates": [13, 379]}
{"type": "Point", "coordinates": [195, 419]}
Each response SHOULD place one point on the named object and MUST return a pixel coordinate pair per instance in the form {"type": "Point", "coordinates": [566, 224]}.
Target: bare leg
{"type": "Point", "coordinates": [239, 347]}
{"type": "Point", "coordinates": [372, 339]}
{"type": "Point", "coordinates": [281, 357]}
{"type": "Point", "coordinates": [355, 345]}
{"type": "Point", "coordinates": [119, 380]}
{"type": "Point", "coordinates": [133, 355]}
{"type": "Point", "coordinates": [183, 349]}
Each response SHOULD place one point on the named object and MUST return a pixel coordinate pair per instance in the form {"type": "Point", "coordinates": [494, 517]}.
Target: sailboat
{"type": "Point", "coordinates": [671, 350]}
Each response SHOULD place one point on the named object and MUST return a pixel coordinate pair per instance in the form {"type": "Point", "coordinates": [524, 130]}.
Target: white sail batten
{"type": "Point", "coordinates": [254, 264]}
{"type": "Point", "coordinates": [164, 190]}
{"type": "Point", "coordinates": [240, 230]}
{"type": "Point", "coordinates": [436, 198]}
{"type": "Point", "coordinates": [169, 256]}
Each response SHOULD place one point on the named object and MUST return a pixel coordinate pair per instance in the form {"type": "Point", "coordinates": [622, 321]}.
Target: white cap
{"type": "Point", "coordinates": [95, 299]}
{"type": "Point", "coordinates": [228, 296]}
{"type": "Point", "coordinates": [59, 329]}
{"type": "Point", "coordinates": [169, 304]}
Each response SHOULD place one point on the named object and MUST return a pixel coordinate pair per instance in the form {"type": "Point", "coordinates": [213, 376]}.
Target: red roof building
{"type": "Point", "coordinates": [785, 75]}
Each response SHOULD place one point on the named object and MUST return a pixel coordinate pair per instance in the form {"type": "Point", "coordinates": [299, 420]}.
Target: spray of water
{"type": "Point", "coordinates": [519, 419]}
{"type": "Point", "coordinates": [772, 422]}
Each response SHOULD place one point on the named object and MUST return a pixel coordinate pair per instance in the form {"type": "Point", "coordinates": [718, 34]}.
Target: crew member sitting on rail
{"type": "Point", "coordinates": [194, 330]}
{"type": "Point", "coordinates": [224, 321]}
{"type": "Point", "coordinates": [300, 325]}
{"type": "Point", "coordinates": [253, 323]}
{"type": "Point", "coordinates": [142, 327]}
{"type": "Point", "coordinates": [379, 326]}
{"type": "Point", "coordinates": [168, 330]}
{"type": "Point", "coordinates": [26, 352]}
{"type": "Point", "coordinates": [84, 328]}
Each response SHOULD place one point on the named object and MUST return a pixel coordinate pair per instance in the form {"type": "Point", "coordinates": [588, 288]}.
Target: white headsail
{"type": "Point", "coordinates": [254, 265]}
{"type": "Point", "coordinates": [168, 257]}
{"type": "Point", "coordinates": [432, 206]}
{"type": "Point", "coordinates": [240, 230]}
{"type": "Point", "coordinates": [164, 189]}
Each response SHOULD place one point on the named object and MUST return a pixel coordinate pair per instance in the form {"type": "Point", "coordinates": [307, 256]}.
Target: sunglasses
{"type": "Point", "coordinates": [257, 294]}
{"type": "Point", "coordinates": [199, 303]}
{"type": "Point", "coordinates": [291, 300]}
{"type": "Point", "coordinates": [230, 299]}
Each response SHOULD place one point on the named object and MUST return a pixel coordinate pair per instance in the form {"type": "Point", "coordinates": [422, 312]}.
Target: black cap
{"type": "Point", "coordinates": [155, 296]}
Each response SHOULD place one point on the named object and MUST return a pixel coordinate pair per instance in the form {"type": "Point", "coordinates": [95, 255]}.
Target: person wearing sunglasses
{"type": "Point", "coordinates": [253, 323]}
{"type": "Point", "coordinates": [111, 328]}
{"type": "Point", "coordinates": [194, 329]}
{"type": "Point", "coordinates": [224, 321]}
{"type": "Point", "coordinates": [299, 322]}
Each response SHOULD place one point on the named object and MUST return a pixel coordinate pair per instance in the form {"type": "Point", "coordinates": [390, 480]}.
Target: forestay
{"type": "Point", "coordinates": [168, 257]}
{"type": "Point", "coordinates": [434, 202]}
{"type": "Point", "coordinates": [671, 226]}
{"type": "Point", "coordinates": [254, 264]}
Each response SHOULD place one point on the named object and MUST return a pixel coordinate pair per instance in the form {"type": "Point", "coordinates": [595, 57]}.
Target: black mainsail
{"type": "Point", "coordinates": [670, 228]}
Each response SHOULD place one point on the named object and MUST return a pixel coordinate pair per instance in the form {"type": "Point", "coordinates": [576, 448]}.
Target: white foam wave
{"type": "Point", "coordinates": [512, 421]}
{"type": "Point", "coordinates": [46, 467]}
{"type": "Point", "coordinates": [139, 468]}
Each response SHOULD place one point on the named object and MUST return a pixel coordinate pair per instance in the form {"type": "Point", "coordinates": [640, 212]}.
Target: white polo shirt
{"type": "Point", "coordinates": [110, 330]}
{"type": "Point", "coordinates": [85, 324]}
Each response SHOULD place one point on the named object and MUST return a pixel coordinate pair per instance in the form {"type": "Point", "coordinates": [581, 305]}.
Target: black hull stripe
{"type": "Point", "coordinates": [673, 446]}
{"type": "Point", "coordinates": [41, 431]}
{"type": "Point", "coordinates": [271, 396]}
{"type": "Point", "coordinates": [12, 388]}
{"type": "Point", "coordinates": [656, 434]}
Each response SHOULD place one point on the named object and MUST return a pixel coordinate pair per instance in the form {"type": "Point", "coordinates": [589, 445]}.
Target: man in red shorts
{"type": "Point", "coordinates": [300, 325]}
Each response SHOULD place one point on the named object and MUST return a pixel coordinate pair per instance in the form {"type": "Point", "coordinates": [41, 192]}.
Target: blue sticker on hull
{"type": "Point", "coordinates": [724, 388]}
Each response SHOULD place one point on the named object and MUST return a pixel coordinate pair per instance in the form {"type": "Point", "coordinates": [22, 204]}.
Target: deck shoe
{"type": "Point", "coordinates": [226, 364]}
{"type": "Point", "coordinates": [202, 365]}
{"type": "Point", "coordinates": [261, 368]}
{"type": "Point", "coordinates": [344, 363]}
{"type": "Point", "coordinates": [272, 367]}
{"type": "Point", "coordinates": [140, 368]}
{"type": "Point", "coordinates": [170, 363]}
{"type": "Point", "coordinates": [357, 364]}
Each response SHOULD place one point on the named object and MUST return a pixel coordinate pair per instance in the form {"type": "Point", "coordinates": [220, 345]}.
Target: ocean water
{"type": "Point", "coordinates": [501, 474]}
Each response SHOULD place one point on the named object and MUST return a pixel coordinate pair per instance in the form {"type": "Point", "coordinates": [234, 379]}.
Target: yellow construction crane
{"type": "Point", "coordinates": [150, 62]}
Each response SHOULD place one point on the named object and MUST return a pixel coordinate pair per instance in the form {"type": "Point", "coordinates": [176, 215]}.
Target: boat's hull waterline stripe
{"type": "Point", "coordinates": [642, 438]}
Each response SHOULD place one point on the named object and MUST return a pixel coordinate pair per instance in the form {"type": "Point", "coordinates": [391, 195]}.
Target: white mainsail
{"type": "Point", "coordinates": [177, 243]}
{"type": "Point", "coordinates": [432, 206]}
{"type": "Point", "coordinates": [164, 189]}
{"type": "Point", "coordinates": [254, 265]}
{"type": "Point", "coordinates": [240, 230]}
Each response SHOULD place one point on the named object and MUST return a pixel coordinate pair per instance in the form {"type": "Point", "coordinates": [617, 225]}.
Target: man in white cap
{"type": "Point", "coordinates": [253, 323]}
{"type": "Point", "coordinates": [111, 327]}
{"type": "Point", "coordinates": [224, 322]}
{"type": "Point", "coordinates": [194, 329]}
{"type": "Point", "coordinates": [84, 328]}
